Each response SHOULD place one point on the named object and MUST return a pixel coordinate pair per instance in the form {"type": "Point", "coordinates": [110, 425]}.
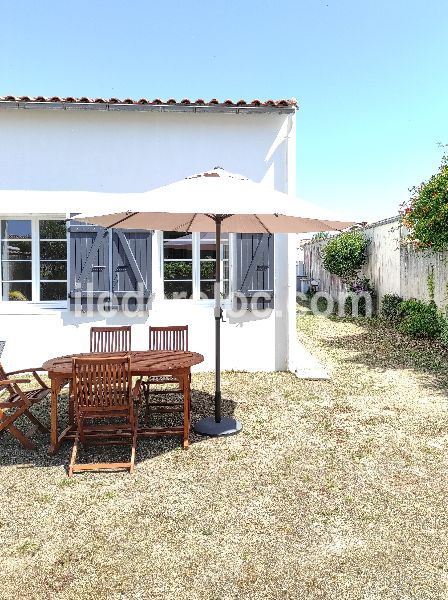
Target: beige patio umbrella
{"type": "Point", "coordinates": [221, 202]}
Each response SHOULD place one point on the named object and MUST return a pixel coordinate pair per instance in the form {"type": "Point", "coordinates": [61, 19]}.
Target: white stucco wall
{"type": "Point", "coordinates": [88, 150]}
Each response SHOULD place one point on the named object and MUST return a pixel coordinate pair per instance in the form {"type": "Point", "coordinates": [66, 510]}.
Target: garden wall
{"type": "Point", "coordinates": [392, 267]}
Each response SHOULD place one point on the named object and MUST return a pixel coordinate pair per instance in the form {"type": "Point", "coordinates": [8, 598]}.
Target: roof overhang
{"type": "Point", "coordinates": [179, 107]}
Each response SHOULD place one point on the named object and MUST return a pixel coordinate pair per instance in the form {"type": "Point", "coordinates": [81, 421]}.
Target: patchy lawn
{"type": "Point", "coordinates": [335, 489]}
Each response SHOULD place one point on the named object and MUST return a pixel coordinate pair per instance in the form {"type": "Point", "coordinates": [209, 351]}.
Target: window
{"type": "Point", "coordinates": [189, 265]}
{"type": "Point", "coordinates": [33, 259]}
{"type": "Point", "coordinates": [177, 265]}
{"type": "Point", "coordinates": [52, 260]}
{"type": "Point", "coordinates": [207, 245]}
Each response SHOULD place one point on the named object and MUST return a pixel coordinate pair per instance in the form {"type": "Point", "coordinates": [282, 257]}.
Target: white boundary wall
{"type": "Point", "coordinates": [392, 266]}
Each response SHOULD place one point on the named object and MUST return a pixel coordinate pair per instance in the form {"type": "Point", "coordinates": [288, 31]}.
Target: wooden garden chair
{"type": "Point", "coordinates": [102, 390]}
{"type": "Point", "coordinates": [172, 338]}
{"type": "Point", "coordinates": [110, 339]}
{"type": "Point", "coordinates": [16, 402]}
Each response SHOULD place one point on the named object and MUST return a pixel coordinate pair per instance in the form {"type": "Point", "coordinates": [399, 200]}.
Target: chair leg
{"type": "Point", "coordinates": [146, 394]}
{"type": "Point", "coordinates": [71, 405]}
{"type": "Point", "coordinates": [36, 422]}
{"type": "Point", "coordinates": [186, 395]}
{"type": "Point", "coordinates": [23, 439]}
{"type": "Point", "coordinates": [73, 457]}
{"type": "Point", "coordinates": [133, 450]}
{"type": "Point", "coordinates": [7, 424]}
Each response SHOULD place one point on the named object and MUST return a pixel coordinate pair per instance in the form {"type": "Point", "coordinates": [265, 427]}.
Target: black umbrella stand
{"type": "Point", "coordinates": [218, 425]}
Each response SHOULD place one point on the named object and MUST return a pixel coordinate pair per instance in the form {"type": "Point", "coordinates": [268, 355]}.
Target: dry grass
{"type": "Point", "coordinates": [334, 490]}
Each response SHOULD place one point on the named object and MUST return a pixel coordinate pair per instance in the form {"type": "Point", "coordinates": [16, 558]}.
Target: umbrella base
{"type": "Point", "coordinates": [226, 426]}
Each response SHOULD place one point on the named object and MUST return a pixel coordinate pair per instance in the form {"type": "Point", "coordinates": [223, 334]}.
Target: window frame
{"type": "Point", "coordinates": [35, 260]}
{"type": "Point", "coordinates": [196, 271]}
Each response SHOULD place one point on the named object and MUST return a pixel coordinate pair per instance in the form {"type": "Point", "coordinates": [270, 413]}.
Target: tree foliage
{"type": "Point", "coordinates": [345, 254]}
{"type": "Point", "coordinates": [426, 213]}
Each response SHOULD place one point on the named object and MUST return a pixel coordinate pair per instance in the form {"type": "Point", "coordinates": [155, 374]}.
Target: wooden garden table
{"type": "Point", "coordinates": [143, 363]}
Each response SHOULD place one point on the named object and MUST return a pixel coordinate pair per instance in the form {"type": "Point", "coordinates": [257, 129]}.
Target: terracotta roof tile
{"type": "Point", "coordinates": [156, 101]}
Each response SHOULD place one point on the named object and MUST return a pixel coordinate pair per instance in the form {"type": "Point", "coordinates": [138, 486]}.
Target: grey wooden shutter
{"type": "Point", "coordinates": [88, 263]}
{"type": "Point", "coordinates": [131, 264]}
{"type": "Point", "coordinates": [255, 267]}
{"type": "Point", "coordinates": [109, 262]}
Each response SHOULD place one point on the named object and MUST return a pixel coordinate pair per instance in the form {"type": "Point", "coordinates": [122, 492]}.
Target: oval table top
{"type": "Point", "coordinates": [145, 362]}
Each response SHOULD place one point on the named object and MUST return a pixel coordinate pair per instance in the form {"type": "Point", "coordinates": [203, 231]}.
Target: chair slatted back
{"type": "Point", "coordinates": [110, 339]}
{"type": "Point", "coordinates": [102, 385]}
{"type": "Point", "coordinates": [173, 337]}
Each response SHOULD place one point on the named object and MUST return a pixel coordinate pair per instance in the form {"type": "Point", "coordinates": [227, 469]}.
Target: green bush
{"type": "Point", "coordinates": [419, 319]}
{"type": "Point", "coordinates": [444, 332]}
{"type": "Point", "coordinates": [345, 254]}
{"type": "Point", "coordinates": [390, 306]}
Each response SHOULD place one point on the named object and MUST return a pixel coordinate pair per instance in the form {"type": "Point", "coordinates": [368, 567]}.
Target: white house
{"type": "Point", "coordinates": [51, 146]}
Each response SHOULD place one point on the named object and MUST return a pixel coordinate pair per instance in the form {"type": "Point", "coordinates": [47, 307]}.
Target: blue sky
{"type": "Point", "coordinates": [369, 75]}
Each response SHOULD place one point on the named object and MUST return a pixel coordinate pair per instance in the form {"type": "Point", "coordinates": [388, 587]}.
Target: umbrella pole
{"type": "Point", "coordinates": [218, 426]}
{"type": "Point", "coordinates": [218, 315]}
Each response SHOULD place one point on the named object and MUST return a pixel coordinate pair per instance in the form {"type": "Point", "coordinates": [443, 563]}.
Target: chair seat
{"type": "Point", "coordinates": [34, 396]}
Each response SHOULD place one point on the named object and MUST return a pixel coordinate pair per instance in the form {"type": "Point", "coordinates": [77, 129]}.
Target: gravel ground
{"type": "Point", "coordinates": [335, 489]}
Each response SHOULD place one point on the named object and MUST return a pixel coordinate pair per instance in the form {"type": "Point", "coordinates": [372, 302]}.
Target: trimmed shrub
{"type": "Point", "coordinates": [345, 254]}
{"type": "Point", "coordinates": [390, 306]}
{"type": "Point", "coordinates": [419, 319]}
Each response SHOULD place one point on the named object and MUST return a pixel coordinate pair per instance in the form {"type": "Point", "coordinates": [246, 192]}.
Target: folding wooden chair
{"type": "Point", "coordinates": [173, 338]}
{"type": "Point", "coordinates": [102, 390]}
{"type": "Point", "coordinates": [16, 402]}
{"type": "Point", "coordinates": [110, 339]}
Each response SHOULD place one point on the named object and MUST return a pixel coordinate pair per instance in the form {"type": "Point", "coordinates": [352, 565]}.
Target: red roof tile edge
{"type": "Point", "coordinates": [292, 102]}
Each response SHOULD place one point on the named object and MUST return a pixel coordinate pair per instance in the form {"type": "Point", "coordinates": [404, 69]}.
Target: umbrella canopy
{"type": "Point", "coordinates": [192, 204]}
{"type": "Point", "coordinates": [221, 202]}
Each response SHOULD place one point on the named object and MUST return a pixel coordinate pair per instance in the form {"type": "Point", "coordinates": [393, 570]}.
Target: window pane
{"type": "Point", "coordinates": [177, 270]}
{"type": "Point", "coordinates": [207, 290]}
{"type": "Point", "coordinates": [16, 250]}
{"type": "Point", "coordinates": [178, 289]}
{"type": "Point", "coordinates": [208, 246]}
{"type": "Point", "coordinates": [16, 291]}
{"type": "Point", "coordinates": [53, 291]}
{"type": "Point", "coordinates": [12, 228]}
{"type": "Point", "coordinates": [55, 230]}
{"type": "Point", "coordinates": [177, 245]}
{"type": "Point", "coordinates": [53, 250]}
{"type": "Point", "coordinates": [15, 270]}
{"type": "Point", "coordinates": [208, 269]}
{"type": "Point", "coordinates": [53, 270]}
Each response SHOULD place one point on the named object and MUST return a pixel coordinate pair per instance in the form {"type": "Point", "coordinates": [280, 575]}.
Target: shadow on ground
{"type": "Point", "coordinates": [381, 347]}
{"type": "Point", "coordinates": [12, 453]}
